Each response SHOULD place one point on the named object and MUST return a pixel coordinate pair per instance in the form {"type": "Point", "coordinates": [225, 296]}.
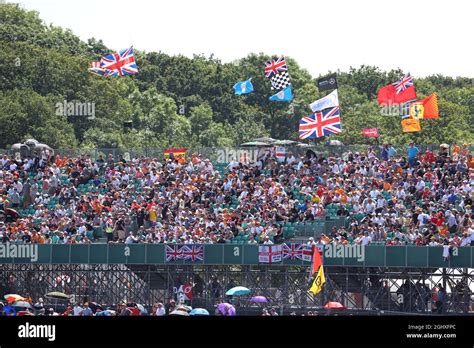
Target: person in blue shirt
{"type": "Point", "coordinates": [384, 152]}
{"type": "Point", "coordinates": [391, 151]}
{"type": "Point", "coordinates": [412, 152]}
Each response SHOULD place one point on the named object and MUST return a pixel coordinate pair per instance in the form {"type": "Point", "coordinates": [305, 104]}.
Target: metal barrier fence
{"type": "Point", "coordinates": [225, 155]}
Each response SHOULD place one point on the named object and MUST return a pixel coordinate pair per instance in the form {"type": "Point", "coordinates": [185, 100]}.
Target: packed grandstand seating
{"type": "Point", "coordinates": [378, 196]}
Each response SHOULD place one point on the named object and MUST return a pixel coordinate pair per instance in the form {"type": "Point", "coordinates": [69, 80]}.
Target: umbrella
{"type": "Point", "coordinates": [94, 306]}
{"type": "Point", "coordinates": [184, 308]}
{"type": "Point", "coordinates": [181, 313]}
{"type": "Point", "coordinates": [11, 213]}
{"type": "Point", "coordinates": [226, 309]}
{"type": "Point", "coordinates": [23, 313]}
{"type": "Point", "coordinates": [13, 297]}
{"type": "Point", "coordinates": [57, 295]}
{"type": "Point", "coordinates": [259, 299]}
{"type": "Point", "coordinates": [444, 145]}
{"type": "Point", "coordinates": [265, 140]}
{"type": "Point", "coordinates": [237, 291]}
{"type": "Point", "coordinates": [106, 313]}
{"type": "Point", "coordinates": [334, 305]}
{"type": "Point", "coordinates": [284, 142]}
{"type": "Point", "coordinates": [255, 143]}
{"type": "Point", "coordinates": [335, 143]}
{"type": "Point", "coordinates": [21, 305]}
{"type": "Point", "coordinates": [199, 311]}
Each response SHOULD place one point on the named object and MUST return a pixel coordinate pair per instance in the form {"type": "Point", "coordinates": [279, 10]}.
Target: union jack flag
{"type": "Point", "coordinates": [274, 67]}
{"type": "Point", "coordinates": [119, 63]}
{"type": "Point", "coordinates": [173, 253]}
{"type": "Point", "coordinates": [193, 253]}
{"type": "Point", "coordinates": [402, 84]}
{"type": "Point", "coordinates": [321, 123]}
{"type": "Point", "coordinates": [297, 251]}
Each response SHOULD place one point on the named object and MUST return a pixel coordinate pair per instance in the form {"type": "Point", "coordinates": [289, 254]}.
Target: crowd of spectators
{"type": "Point", "coordinates": [422, 198]}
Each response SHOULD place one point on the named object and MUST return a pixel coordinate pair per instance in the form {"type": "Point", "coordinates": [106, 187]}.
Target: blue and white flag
{"type": "Point", "coordinates": [329, 101]}
{"type": "Point", "coordinates": [285, 95]}
{"type": "Point", "coordinates": [243, 87]}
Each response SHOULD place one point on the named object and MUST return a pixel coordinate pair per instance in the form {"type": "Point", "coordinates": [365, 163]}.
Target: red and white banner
{"type": "Point", "coordinates": [370, 132]}
{"type": "Point", "coordinates": [280, 153]}
{"type": "Point", "coordinates": [269, 253]}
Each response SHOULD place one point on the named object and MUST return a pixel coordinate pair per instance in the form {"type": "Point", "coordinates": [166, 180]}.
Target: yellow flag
{"type": "Point", "coordinates": [318, 282]}
{"type": "Point", "coordinates": [417, 110]}
{"type": "Point", "coordinates": [411, 125]}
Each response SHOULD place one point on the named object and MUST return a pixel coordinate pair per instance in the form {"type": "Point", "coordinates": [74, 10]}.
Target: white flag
{"type": "Point", "coordinates": [329, 101]}
{"type": "Point", "coordinates": [280, 153]}
{"type": "Point", "coordinates": [269, 253]}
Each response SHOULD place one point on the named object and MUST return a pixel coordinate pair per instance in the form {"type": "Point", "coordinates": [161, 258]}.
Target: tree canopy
{"type": "Point", "coordinates": [181, 101]}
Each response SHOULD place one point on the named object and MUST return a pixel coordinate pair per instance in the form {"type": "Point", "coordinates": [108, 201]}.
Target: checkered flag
{"type": "Point", "coordinates": [281, 80]}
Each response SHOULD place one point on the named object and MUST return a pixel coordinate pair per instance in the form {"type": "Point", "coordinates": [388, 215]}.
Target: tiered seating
{"type": "Point", "coordinates": [331, 211]}
{"type": "Point", "coordinates": [303, 229]}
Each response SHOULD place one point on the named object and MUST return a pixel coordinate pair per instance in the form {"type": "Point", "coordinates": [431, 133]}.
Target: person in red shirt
{"type": "Point", "coordinates": [438, 219]}
{"type": "Point", "coordinates": [429, 157]}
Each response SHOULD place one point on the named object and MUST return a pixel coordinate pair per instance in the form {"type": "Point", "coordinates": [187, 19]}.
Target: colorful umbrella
{"type": "Point", "coordinates": [259, 299]}
{"type": "Point", "coordinates": [13, 297]}
{"type": "Point", "coordinates": [199, 311]}
{"type": "Point", "coordinates": [237, 291]}
{"type": "Point", "coordinates": [334, 305]}
{"type": "Point", "coordinates": [225, 309]}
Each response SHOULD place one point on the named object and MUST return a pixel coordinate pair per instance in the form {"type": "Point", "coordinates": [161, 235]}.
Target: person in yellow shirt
{"type": "Point", "coordinates": [315, 199]}
{"type": "Point", "coordinates": [153, 216]}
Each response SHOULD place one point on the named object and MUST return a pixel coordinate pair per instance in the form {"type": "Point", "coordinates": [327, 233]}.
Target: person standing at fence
{"type": "Point", "coordinates": [412, 152]}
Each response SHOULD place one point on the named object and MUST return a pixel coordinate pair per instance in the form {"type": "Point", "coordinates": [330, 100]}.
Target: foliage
{"type": "Point", "coordinates": [181, 101]}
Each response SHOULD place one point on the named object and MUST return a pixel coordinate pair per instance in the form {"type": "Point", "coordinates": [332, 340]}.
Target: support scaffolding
{"type": "Point", "coordinates": [404, 290]}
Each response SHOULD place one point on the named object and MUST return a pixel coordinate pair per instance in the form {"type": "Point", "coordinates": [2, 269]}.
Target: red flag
{"type": "Point", "coordinates": [316, 260]}
{"type": "Point", "coordinates": [370, 132]}
{"type": "Point", "coordinates": [388, 95]}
